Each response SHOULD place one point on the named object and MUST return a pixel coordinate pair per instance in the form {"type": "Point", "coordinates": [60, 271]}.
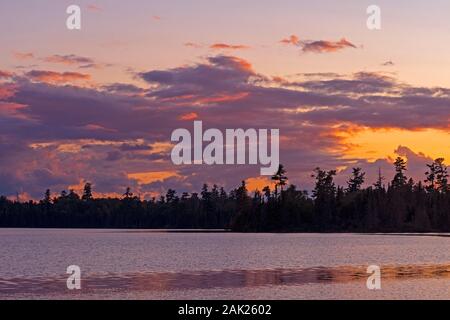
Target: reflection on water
{"type": "Point", "coordinates": [145, 264]}
{"type": "Point", "coordinates": [168, 281]}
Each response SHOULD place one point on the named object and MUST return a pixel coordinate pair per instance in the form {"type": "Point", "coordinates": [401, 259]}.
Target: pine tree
{"type": "Point", "coordinates": [47, 197]}
{"type": "Point", "coordinates": [87, 192]}
{"type": "Point", "coordinates": [280, 179]}
{"type": "Point", "coordinates": [324, 195]}
{"type": "Point", "coordinates": [379, 184]}
{"type": "Point", "coordinates": [399, 179]}
{"type": "Point", "coordinates": [437, 176]}
{"type": "Point", "coordinates": [356, 180]}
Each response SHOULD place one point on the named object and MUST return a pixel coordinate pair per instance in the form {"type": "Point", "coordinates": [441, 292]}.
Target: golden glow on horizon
{"type": "Point", "coordinates": [152, 176]}
{"type": "Point", "coordinates": [259, 183]}
{"type": "Point", "coordinates": [376, 144]}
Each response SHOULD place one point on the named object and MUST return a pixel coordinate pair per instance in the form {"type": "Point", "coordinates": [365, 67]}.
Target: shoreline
{"type": "Point", "coordinates": [136, 230]}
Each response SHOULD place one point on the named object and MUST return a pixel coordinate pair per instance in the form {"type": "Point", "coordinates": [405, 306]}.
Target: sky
{"type": "Point", "coordinates": [99, 104]}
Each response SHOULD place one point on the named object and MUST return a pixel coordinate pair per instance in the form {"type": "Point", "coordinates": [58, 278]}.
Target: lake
{"type": "Point", "coordinates": [148, 264]}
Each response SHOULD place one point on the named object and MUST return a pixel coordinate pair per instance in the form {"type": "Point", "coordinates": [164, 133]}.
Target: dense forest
{"type": "Point", "coordinates": [401, 206]}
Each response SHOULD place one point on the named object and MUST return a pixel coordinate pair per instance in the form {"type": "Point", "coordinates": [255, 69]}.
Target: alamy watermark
{"type": "Point", "coordinates": [73, 21]}
{"type": "Point", "coordinates": [74, 280]}
{"type": "Point", "coordinates": [374, 280]}
{"type": "Point", "coordinates": [227, 149]}
{"type": "Point", "coordinates": [374, 19]}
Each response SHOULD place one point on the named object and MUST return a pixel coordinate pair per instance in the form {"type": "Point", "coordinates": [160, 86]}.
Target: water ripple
{"type": "Point", "coordinates": [172, 281]}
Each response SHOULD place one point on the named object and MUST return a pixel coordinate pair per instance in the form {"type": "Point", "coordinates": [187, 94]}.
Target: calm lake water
{"type": "Point", "coordinates": [145, 264]}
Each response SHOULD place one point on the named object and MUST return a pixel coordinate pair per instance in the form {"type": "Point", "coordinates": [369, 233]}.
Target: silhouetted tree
{"type": "Point", "coordinates": [356, 181]}
{"type": "Point", "coordinates": [47, 197]}
{"type": "Point", "coordinates": [437, 176]}
{"type": "Point", "coordinates": [280, 179]}
{"type": "Point", "coordinates": [87, 192]}
{"type": "Point", "coordinates": [73, 196]}
{"type": "Point", "coordinates": [379, 183]}
{"type": "Point", "coordinates": [128, 194]}
{"type": "Point", "coordinates": [399, 178]}
{"type": "Point", "coordinates": [324, 195]}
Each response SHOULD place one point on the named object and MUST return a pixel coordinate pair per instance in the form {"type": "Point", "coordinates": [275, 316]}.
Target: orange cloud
{"type": "Point", "coordinates": [221, 46]}
{"type": "Point", "coordinates": [79, 187]}
{"type": "Point", "coordinates": [153, 176]}
{"type": "Point", "coordinates": [195, 100]}
{"type": "Point", "coordinates": [189, 116]}
{"type": "Point", "coordinates": [244, 64]}
{"type": "Point", "coordinates": [232, 62]}
{"type": "Point", "coordinates": [222, 98]}
{"type": "Point", "coordinates": [57, 77]}
{"type": "Point", "coordinates": [159, 148]}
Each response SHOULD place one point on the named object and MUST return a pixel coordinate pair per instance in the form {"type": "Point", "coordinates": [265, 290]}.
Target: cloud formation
{"type": "Point", "coordinates": [69, 60]}
{"type": "Point", "coordinates": [57, 77]}
{"type": "Point", "coordinates": [323, 46]}
{"type": "Point", "coordinates": [318, 46]}
{"type": "Point", "coordinates": [23, 55]}
{"type": "Point", "coordinates": [56, 134]}
{"type": "Point", "coordinates": [220, 46]}
{"type": "Point", "coordinates": [193, 45]}
{"type": "Point", "coordinates": [293, 39]}
{"type": "Point", "coordinates": [388, 63]}
{"type": "Point", "coordinates": [5, 74]}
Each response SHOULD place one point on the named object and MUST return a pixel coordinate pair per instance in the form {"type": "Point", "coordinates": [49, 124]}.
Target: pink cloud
{"type": "Point", "coordinates": [7, 91]}
{"type": "Point", "coordinates": [193, 45]}
{"type": "Point", "coordinates": [5, 74]}
{"type": "Point", "coordinates": [94, 8]}
{"type": "Point", "coordinates": [69, 60]}
{"type": "Point", "coordinates": [293, 39]}
{"type": "Point", "coordinates": [23, 55]}
{"type": "Point", "coordinates": [12, 110]}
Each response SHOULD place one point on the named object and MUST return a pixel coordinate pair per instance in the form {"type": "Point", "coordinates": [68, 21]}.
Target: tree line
{"type": "Point", "coordinates": [402, 205]}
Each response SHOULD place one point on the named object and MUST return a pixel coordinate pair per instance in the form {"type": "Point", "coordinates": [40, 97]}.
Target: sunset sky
{"type": "Point", "coordinates": [99, 105]}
